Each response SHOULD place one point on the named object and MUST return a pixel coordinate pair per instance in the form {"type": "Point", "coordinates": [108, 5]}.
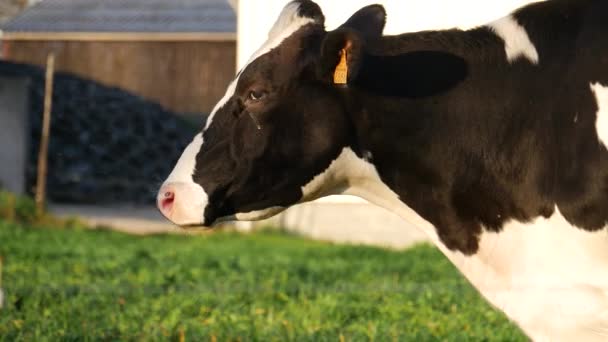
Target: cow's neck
{"type": "Point", "coordinates": [549, 277]}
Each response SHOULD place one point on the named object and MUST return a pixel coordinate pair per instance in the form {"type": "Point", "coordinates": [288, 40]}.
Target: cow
{"type": "Point", "coordinates": [492, 140]}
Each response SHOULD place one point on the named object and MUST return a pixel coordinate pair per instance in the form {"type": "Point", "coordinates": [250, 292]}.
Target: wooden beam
{"type": "Point", "coordinates": [44, 138]}
{"type": "Point", "coordinates": [121, 36]}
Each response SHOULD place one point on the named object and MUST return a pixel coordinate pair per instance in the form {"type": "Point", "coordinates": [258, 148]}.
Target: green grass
{"type": "Point", "coordinates": [17, 208]}
{"type": "Point", "coordinates": [77, 284]}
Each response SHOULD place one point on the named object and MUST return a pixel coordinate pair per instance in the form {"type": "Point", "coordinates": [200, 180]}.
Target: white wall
{"type": "Point", "coordinates": [256, 16]}
{"type": "Point", "coordinates": [14, 133]}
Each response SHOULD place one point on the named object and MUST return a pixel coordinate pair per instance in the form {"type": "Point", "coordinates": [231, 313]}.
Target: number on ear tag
{"type": "Point", "coordinates": [341, 72]}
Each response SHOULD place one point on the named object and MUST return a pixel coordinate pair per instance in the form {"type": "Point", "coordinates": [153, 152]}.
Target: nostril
{"type": "Point", "coordinates": [182, 203]}
{"type": "Point", "coordinates": [167, 200]}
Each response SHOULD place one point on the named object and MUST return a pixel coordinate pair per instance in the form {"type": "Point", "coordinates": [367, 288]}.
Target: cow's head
{"type": "Point", "coordinates": [280, 125]}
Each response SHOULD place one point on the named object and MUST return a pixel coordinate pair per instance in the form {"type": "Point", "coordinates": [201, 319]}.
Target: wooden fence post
{"type": "Point", "coordinates": [44, 138]}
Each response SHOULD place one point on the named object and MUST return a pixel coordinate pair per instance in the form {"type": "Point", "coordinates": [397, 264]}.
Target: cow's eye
{"type": "Point", "coordinates": [255, 95]}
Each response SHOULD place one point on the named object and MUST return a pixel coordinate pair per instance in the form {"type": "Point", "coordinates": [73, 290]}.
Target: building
{"type": "Point", "coordinates": [179, 53]}
{"type": "Point", "coordinates": [10, 8]}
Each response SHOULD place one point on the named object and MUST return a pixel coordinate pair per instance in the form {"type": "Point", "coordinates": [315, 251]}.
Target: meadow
{"type": "Point", "coordinates": [77, 284]}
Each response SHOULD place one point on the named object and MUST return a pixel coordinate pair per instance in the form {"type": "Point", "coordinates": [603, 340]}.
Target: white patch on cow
{"type": "Point", "coordinates": [548, 276]}
{"type": "Point", "coordinates": [350, 175]}
{"type": "Point", "coordinates": [288, 22]}
{"type": "Point", "coordinates": [515, 37]}
{"type": "Point", "coordinates": [229, 93]}
{"type": "Point", "coordinates": [190, 197]}
{"type": "Point", "coordinates": [184, 169]}
{"type": "Point", "coordinates": [601, 122]}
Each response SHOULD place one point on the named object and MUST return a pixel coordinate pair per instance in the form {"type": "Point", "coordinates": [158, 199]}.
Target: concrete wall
{"type": "Point", "coordinates": [350, 221]}
{"type": "Point", "coordinates": [13, 133]}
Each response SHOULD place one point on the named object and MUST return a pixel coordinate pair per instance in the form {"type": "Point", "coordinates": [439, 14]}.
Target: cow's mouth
{"type": "Point", "coordinates": [196, 226]}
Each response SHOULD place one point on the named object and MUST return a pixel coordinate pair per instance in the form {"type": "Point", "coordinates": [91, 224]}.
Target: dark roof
{"type": "Point", "coordinates": [126, 16]}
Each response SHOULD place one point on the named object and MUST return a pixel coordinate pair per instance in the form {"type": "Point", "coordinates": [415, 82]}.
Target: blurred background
{"type": "Point", "coordinates": [133, 82]}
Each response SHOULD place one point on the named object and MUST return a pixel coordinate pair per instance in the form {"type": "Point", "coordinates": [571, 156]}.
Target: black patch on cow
{"type": "Point", "coordinates": [414, 74]}
{"type": "Point", "coordinates": [495, 141]}
{"type": "Point", "coordinates": [309, 9]}
{"type": "Point", "coordinates": [369, 22]}
{"type": "Point", "coordinates": [244, 168]}
{"type": "Point", "coordinates": [582, 192]}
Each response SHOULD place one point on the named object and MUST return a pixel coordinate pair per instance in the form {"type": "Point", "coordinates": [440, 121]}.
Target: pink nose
{"type": "Point", "coordinates": [166, 200]}
{"type": "Point", "coordinates": [182, 203]}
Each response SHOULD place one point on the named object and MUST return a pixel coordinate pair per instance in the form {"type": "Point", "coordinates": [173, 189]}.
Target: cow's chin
{"type": "Point", "coordinates": [197, 226]}
{"type": "Point", "coordinates": [256, 215]}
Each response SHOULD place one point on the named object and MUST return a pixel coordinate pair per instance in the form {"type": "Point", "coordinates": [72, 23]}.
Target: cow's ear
{"type": "Point", "coordinates": [369, 22]}
{"type": "Point", "coordinates": [309, 9]}
{"type": "Point", "coordinates": [294, 11]}
{"type": "Point", "coordinates": [342, 50]}
{"type": "Point", "coordinates": [341, 56]}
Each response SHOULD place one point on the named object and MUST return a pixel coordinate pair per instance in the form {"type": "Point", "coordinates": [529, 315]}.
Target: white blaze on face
{"type": "Point", "coordinates": [192, 199]}
{"type": "Point", "coordinates": [601, 122]}
{"type": "Point", "coordinates": [184, 169]}
{"type": "Point", "coordinates": [516, 39]}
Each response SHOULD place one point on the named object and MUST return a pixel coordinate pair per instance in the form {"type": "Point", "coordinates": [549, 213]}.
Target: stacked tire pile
{"type": "Point", "coordinates": [106, 145]}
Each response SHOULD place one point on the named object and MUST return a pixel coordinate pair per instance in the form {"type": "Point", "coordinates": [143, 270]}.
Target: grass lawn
{"type": "Point", "coordinates": [71, 284]}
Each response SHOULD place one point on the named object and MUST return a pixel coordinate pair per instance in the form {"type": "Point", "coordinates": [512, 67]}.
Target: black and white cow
{"type": "Point", "coordinates": [492, 141]}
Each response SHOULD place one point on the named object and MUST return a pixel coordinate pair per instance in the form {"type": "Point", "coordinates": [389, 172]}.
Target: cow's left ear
{"type": "Point", "coordinates": [369, 22]}
{"type": "Point", "coordinates": [342, 49]}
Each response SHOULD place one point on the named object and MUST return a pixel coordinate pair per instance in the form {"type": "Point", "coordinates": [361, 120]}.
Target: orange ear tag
{"type": "Point", "coordinates": [341, 72]}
